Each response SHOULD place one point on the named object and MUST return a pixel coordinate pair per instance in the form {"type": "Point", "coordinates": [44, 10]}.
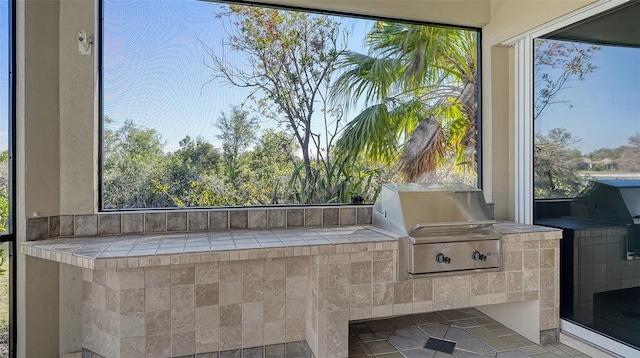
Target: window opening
{"type": "Point", "coordinates": [218, 104]}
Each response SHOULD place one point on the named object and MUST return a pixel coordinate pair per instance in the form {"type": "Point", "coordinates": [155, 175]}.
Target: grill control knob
{"type": "Point", "coordinates": [476, 255]}
{"type": "Point", "coordinates": [440, 258]}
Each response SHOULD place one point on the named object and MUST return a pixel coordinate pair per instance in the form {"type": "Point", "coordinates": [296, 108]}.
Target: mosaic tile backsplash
{"type": "Point", "coordinates": [121, 223]}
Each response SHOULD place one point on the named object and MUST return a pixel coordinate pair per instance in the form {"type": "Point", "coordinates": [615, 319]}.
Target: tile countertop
{"type": "Point", "coordinates": [131, 251]}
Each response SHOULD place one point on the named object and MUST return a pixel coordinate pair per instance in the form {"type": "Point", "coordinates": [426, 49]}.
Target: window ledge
{"type": "Point", "coordinates": [196, 220]}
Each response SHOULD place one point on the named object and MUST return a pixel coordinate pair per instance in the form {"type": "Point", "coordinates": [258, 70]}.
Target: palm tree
{"type": "Point", "coordinates": [418, 84]}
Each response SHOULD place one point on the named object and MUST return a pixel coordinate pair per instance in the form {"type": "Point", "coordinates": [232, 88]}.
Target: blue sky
{"type": "Point", "coordinates": [4, 74]}
{"type": "Point", "coordinates": [605, 106]}
{"type": "Point", "coordinates": [155, 75]}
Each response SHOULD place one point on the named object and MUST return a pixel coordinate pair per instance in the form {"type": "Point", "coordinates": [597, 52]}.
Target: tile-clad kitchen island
{"type": "Point", "coordinates": [174, 294]}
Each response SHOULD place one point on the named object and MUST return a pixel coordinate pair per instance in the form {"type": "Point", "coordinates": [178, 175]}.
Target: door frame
{"type": "Point", "coordinates": [523, 137]}
{"type": "Point", "coordinates": [523, 102]}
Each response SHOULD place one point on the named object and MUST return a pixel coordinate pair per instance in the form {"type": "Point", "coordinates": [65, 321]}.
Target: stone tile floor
{"type": "Point", "coordinates": [474, 335]}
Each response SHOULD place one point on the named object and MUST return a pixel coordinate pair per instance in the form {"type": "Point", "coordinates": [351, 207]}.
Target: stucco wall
{"type": "Point", "coordinates": [78, 124]}
{"type": "Point", "coordinates": [39, 96]}
{"type": "Point", "coordinates": [37, 169]}
{"type": "Point", "coordinates": [57, 114]}
{"type": "Point", "coordinates": [474, 13]}
{"type": "Point", "coordinates": [508, 19]}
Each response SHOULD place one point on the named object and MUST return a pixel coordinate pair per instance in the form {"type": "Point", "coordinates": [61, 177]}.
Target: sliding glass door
{"type": "Point", "coordinates": [587, 166]}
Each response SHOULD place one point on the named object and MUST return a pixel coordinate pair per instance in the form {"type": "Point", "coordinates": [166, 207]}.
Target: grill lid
{"type": "Point", "coordinates": [412, 209]}
{"type": "Point", "coordinates": [612, 201]}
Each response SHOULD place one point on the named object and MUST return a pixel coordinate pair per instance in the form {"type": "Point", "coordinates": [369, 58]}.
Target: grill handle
{"type": "Point", "coordinates": [482, 223]}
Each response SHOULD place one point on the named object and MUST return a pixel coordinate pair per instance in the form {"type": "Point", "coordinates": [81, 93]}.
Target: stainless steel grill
{"type": "Point", "coordinates": [442, 228]}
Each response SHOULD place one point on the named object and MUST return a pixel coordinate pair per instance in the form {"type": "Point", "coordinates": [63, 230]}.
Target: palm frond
{"type": "Point", "coordinates": [365, 77]}
{"type": "Point", "coordinates": [372, 133]}
{"type": "Point", "coordinates": [412, 72]}
{"type": "Point", "coordinates": [408, 115]}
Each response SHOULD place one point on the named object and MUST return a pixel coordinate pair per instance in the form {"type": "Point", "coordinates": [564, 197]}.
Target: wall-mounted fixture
{"type": "Point", "coordinates": [84, 43]}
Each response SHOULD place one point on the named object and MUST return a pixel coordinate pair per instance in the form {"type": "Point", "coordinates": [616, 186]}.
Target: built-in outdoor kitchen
{"type": "Point", "coordinates": [116, 253]}
{"type": "Point", "coordinates": [292, 279]}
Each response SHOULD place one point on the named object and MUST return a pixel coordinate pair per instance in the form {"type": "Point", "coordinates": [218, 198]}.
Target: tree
{"type": "Point", "coordinates": [187, 170]}
{"type": "Point", "coordinates": [556, 65]}
{"type": "Point", "coordinates": [137, 173]}
{"type": "Point", "coordinates": [266, 170]}
{"type": "Point", "coordinates": [289, 59]}
{"type": "Point", "coordinates": [634, 140]}
{"type": "Point", "coordinates": [4, 192]}
{"type": "Point", "coordinates": [4, 204]}
{"type": "Point", "coordinates": [557, 162]}
{"type": "Point", "coordinates": [419, 86]}
{"type": "Point", "coordinates": [238, 132]}
{"type": "Point", "coordinates": [629, 160]}
{"type": "Point", "coordinates": [604, 153]}
{"type": "Point", "coordinates": [134, 165]}
{"type": "Point", "coordinates": [630, 157]}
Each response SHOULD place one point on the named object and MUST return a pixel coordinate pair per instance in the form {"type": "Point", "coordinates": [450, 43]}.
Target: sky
{"type": "Point", "coordinates": [155, 75]}
{"type": "Point", "coordinates": [155, 72]}
{"type": "Point", "coordinates": [4, 74]}
{"type": "Point", "coordinates": [605, 107]}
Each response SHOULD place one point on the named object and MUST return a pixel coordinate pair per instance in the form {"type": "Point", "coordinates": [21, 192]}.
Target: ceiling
{"type": "Point", "coordinates": [618, 27]}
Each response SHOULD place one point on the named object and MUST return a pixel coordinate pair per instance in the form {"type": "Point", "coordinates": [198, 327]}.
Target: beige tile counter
{"type": "Point", "coordinates": [133, 251]}
{"type": "Point", "coordinates": [179, 294]}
